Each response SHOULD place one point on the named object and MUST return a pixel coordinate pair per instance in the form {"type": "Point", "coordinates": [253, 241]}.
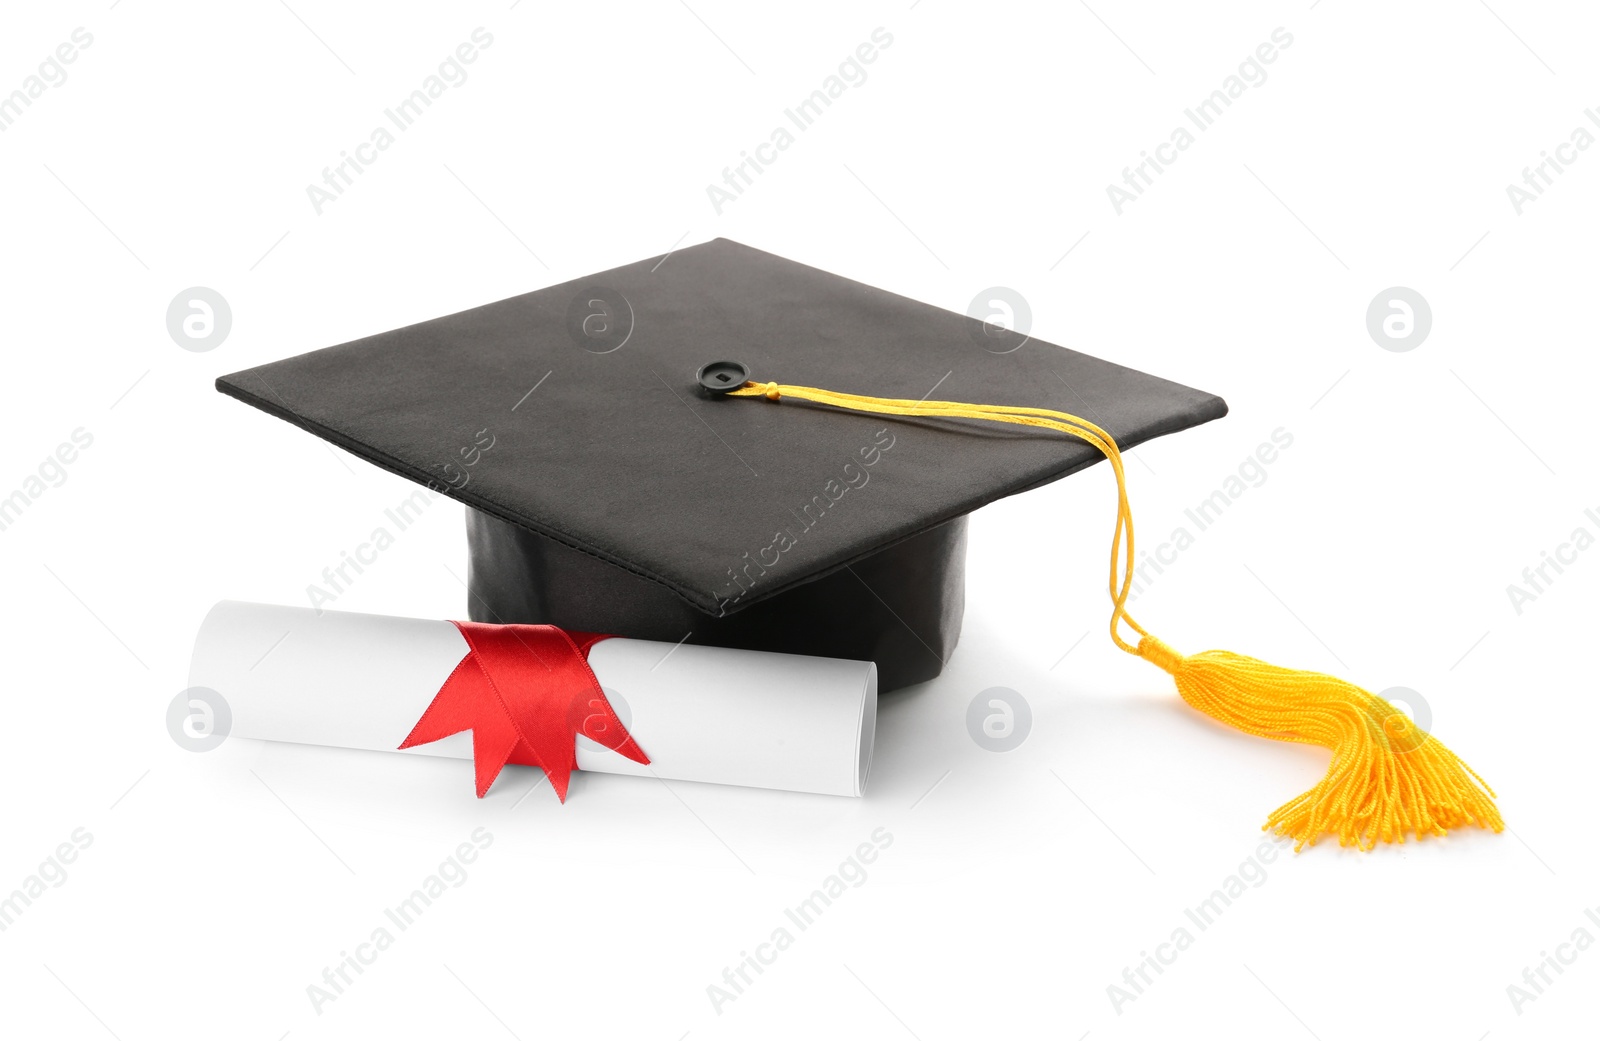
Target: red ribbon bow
{"type": "Point", "coordinates": [525, 692]}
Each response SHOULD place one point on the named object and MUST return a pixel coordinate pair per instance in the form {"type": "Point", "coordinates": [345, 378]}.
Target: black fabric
{"type": "Point", "coordinates": [721, 502]}
{"type": "Point", "coordinates": [900, 607]}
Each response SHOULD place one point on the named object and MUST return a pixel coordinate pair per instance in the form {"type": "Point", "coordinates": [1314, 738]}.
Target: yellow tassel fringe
{"type": "Point", "coordinates": [1387, 779]}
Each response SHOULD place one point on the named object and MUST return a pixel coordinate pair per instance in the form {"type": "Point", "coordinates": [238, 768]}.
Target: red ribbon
{"type": "Point", "coordinates": [525, 692]}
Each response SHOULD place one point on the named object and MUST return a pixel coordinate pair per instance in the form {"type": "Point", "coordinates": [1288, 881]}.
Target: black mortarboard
{"type": "Point", "coordinates": [619, 497]}
{"type": "Point", "coordinates": [620, 479]}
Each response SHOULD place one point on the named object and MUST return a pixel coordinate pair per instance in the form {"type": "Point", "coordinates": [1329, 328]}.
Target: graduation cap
{"type": "Point", "coordinates": [624, 473]}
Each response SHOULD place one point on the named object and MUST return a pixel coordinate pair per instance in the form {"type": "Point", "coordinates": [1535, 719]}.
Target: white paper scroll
{"type": "Point", "coordinates": [714, 714]}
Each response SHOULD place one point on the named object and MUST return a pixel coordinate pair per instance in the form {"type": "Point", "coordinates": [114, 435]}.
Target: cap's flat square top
{"type": "Point", "coordinates": [574, 411]}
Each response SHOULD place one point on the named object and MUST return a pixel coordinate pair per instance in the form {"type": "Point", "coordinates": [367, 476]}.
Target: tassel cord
{"type": "Point", "coordinates": [1386, 778]}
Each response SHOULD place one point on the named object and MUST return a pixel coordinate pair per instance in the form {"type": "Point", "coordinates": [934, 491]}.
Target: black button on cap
{"type": "Point", "coordinates": [719, 377]}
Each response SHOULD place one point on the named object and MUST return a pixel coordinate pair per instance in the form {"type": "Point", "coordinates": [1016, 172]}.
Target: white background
{"type": "Point", "coordinates": [977, 153]}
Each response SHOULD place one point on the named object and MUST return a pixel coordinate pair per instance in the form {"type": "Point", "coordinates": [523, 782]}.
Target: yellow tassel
{"type": "Point", "coordinates": [1387, 779]}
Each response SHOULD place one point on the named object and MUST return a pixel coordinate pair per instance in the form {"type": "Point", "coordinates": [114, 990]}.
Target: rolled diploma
{"type": "Point", "coordinates": [752, 718]}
